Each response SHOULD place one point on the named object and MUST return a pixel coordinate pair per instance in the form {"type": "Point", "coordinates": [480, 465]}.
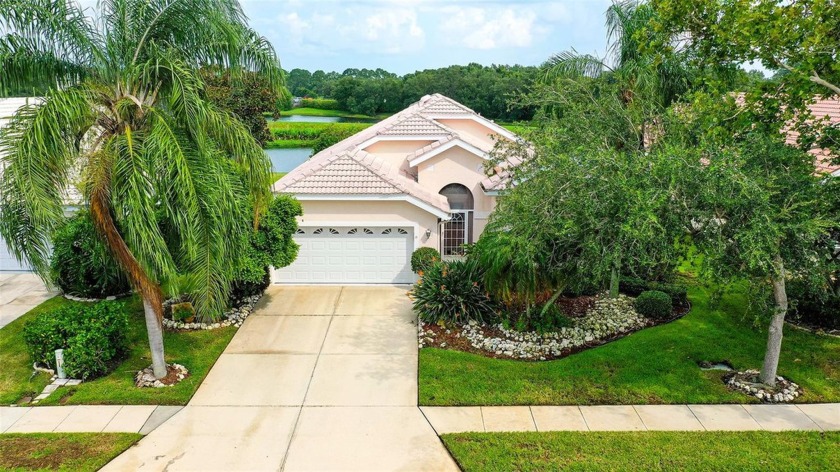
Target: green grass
{"type": "Point", "coordinates": [647, 451]}
{"type": "Point", "coordinates": [305, 111]}
{"type": "Point", "coordinates": [655, 365]}
{"type": "Point", "coordinates": [290, 143]}
{"type": "Point", "coordinates": [75, 452]}
{"type": "Point", "coordinates": [197, 350]}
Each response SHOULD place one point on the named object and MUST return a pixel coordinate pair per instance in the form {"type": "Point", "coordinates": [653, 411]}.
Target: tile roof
{"type": "Point", "coordinates": [827, 109]}
{"type": "Point", "coordinates": [415, 125]}
{"type": "Point", "coordinates": [345, 169]}
{"type": "Point", "coordinates": [354, 173]}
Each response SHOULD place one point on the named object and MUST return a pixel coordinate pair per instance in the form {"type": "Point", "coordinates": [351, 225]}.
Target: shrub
{"type": "Point", "coordinates": [814, 304]}
{"type": "Point", "coordinates": [334, 134]}
{"type": "Point", "coordinates": [551, 321]}
{"type": "Point", "coordinates": [423, 259]}
{"type": "Point", "coordinates": [92, 336]}
{"type": "Point", "coordinates": [654, 304]}
{"type": "Point", "coordinates": [321, 103]}
{"type": "Point", "coordinates": [183, 311]}
{"type": "Point", "coordinates": [81, 264]}
{"type": "Point", "coordinates": [270, 245]}
{"type": "Point", "coordinates": [453, 292]}
{"type": "Point", "coordinates": [634, 286]}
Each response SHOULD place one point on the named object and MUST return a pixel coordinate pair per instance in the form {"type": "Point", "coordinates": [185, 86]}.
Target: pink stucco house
{"type": "Point", "coordinates": [414, 179]}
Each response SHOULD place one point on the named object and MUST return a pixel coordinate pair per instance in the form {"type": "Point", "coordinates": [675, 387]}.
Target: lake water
{"type": "Point", "coordinates": [322, 119]}
{"type": "Point", "coordinates": [284, 160]}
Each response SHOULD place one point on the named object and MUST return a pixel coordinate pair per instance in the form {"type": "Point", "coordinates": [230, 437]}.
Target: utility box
{"type": "Point", "coordinates": [59, 363]}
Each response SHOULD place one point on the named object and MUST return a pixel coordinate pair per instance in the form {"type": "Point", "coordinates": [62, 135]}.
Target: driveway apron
{"type": "Point", "coordinates": [318, 378]}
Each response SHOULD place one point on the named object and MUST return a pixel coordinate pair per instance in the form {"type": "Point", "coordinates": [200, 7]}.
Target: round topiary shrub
{"type": "Point", "coordinates": [423, 259]}
{"type": "Point", "coordinates": [654, 304]}
{"type": "Point", "coordinates": [81, 265]}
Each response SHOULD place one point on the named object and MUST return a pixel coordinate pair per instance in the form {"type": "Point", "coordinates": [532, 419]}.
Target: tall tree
{"type": "Point", "coordinates": [126, 112]}
{"type": "Point", "coordinates": [784, 219]}
{"type": "Point", "coordinates": [664, 76]}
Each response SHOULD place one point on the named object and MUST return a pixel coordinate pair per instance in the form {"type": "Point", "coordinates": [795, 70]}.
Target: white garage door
{"type": "Point", "coordinates": [347, 255]}
{"type": "Point", "coordinates": [8, 263]}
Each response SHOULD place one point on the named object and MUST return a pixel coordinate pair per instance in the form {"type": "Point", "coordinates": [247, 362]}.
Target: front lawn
{"type": "Point", "coordinates": [197, 350]}
{"type": "Point", "coordinates": [707, 451]}
{"type": "Point", "coordinates": [655, 365]}
{"type": "Point", "coordinates": [75, 452]}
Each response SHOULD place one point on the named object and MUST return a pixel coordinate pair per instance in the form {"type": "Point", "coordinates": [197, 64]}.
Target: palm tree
{"type": "Point", "coordinates": [629, 28]}
{"type": "Point", "coordinates": [124, 119]}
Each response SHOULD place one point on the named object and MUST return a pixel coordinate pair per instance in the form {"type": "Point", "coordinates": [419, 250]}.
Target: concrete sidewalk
{"type": "Point", "coordinates": [141, 419]}
{"type": "Point", "coordinates": [317, 378]}
{"type": "Point", "coordinates": [800, 417]}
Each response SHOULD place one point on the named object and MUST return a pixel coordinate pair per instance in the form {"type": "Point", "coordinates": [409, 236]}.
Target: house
{"type": "Point", "coordinates": [415, 179]}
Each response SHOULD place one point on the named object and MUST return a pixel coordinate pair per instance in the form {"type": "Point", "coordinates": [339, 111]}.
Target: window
{"type": "Point", "coordinates": [459, 197]}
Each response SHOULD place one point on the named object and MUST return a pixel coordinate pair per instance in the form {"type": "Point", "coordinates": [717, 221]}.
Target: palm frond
{"type": "Point", "coordinates": [572, 64]}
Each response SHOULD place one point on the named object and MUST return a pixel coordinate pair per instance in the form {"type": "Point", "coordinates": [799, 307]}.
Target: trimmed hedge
{"type": "Point", "coordinates": [654, 304]}
{"type": "Point", "coordinates": [423, 259]}
{"type": "Point", "coordinates": [92, 336]}
{"type": "Point", "coordinates": [453, 292]}
{"type": "Point", "coordinates": [634, 286]}
{"type": "Point", "coordinates": [81, 264]}
{"type": "Point", "coordinates": [321, 103]}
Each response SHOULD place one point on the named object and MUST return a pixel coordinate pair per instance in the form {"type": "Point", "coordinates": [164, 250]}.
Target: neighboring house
{"type": "Point", "coordinates": [8, 262]}
{"type": "Point", "coordinates": [415, 179]}
{"type": "Point", "coordinates": [823, 109]}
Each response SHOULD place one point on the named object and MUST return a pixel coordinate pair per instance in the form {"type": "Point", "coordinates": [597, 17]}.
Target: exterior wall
{"type": "Point", "coordinates": [395, 152]}
{"type": "Point", "coordinates": [479, 133]}
{"type": "Point", "coordinates": [387, 213]}
{"type": "Point", "coordinates": [459, 166]}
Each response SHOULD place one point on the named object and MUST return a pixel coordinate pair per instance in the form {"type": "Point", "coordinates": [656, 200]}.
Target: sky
{"type": "Point", "coordinates": [402, 36]}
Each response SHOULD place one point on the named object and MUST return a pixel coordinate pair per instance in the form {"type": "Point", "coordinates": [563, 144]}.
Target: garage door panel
{"type": "Point", "coordinates": [342, 255]}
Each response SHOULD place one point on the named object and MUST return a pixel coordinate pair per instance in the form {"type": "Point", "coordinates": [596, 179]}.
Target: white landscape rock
{"type": "Point", "coordinates": [607, 319]}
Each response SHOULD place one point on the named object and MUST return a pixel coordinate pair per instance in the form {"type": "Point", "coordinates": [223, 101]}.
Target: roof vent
{"type": "Point", "coordinates": [425, 99]}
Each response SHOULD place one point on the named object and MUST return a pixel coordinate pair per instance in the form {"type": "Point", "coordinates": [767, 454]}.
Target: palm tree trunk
{"type": "Point", "coordinates": [774, 334]}
{"type": "Point", "coordinates": [148, 289]}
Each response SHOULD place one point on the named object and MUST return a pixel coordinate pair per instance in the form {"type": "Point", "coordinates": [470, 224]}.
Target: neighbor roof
{"type": "Point", "coordinates": [823, 109]}
{"type": "Point", "coordinates": [346, 169]}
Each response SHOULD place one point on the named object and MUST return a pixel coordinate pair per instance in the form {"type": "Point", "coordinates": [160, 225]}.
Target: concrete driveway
{"type": "Point", "coordinates": [318, 378]}
{"type": "Point", "coordinates": [20, 293]}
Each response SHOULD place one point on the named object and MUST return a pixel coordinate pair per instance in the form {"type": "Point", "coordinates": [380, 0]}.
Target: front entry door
{"type": "Point", "coordinates": [456, 233]}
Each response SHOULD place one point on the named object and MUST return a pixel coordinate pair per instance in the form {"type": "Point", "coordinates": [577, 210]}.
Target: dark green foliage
{"type": "Point", "coordinates": [814, 304]}
{"type": "Point", "coordinates": [270, 245]}
{"type": "Point", "coordinates": [247, 97]}
{"type": "Point", "coordinates": [654, 304]}
{"type": "Point", "coordinates": [320, 103]}
{"type": "Point", "coordinates": [536, 320]}
{"type": "Point", "coordinates": [423, 259]}
{"type": "Point", "coordinates": [332, 135]}
{"type": "Point", "coordinates": [93, 336]}
{"type": "Point", "coordinates": [81, 264]}
{"type": "Point", "coordinates": [634, 286]}
{"type": "Point", "coordinates": [486, 89]}
{"type": "Point", "coordinates": [453, 292]}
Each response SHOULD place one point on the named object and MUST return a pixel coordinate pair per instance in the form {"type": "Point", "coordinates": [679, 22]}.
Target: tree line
{"type": "Point", "coordinates": [486, 89]}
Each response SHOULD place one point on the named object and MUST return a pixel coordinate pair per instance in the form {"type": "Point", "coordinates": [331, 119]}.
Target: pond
{"type": "Point", "coordinates": [284, 160]}
{"type": "Point", "coordinates": [321, 119]}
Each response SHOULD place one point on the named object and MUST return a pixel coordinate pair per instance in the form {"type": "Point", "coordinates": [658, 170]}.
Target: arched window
{"type": "Point", "coordinates": [459, 197]}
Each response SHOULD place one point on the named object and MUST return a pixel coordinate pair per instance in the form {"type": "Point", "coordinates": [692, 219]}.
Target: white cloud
{"type": "Point", "coordinates": [485, 28]}
{"type": "Point", "coordinates": [396, 29]}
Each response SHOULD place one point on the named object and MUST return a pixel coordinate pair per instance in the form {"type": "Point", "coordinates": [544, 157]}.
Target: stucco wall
{"type": "Point", "coordinates": [395, 152]}
{"type": "Point", "coordinates": [459, 166]}
{"type": "Point", "coordinates": [316, 213]}
{"type": "Point", "coordinates": [478, 132]}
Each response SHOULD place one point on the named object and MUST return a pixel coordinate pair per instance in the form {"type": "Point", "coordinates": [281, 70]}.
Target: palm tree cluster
{"type": "Point", "coordinates": [124, 119]}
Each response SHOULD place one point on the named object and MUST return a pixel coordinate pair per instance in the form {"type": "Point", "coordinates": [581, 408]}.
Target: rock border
{"type": "Point", "coordinates": [233, 317]}
{"type": "Point", "coordinates": [93, 300]}
{"type": "Point", "coordinates": [607, 320]}
{"type": "Point", "coordinates": [784, 392]}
